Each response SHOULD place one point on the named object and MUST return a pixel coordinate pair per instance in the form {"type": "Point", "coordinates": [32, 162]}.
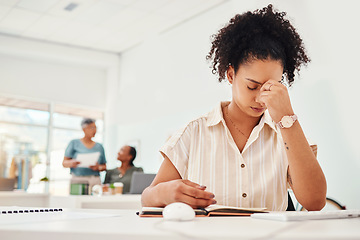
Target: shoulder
{"type": "Point", "coordinates": [110, 171]}
{"type": "Point", "coordinates": [187, 131]}
{"type": "Point", "coordinates": [74, 142]}
{"type": "Point", "coordinates": [138, 169]}
{"type": "Point", "coordinates": [99, 145]}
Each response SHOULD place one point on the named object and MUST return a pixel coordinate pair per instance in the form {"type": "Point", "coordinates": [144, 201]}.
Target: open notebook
{"type": "Point", "coordinates": [212, 210]}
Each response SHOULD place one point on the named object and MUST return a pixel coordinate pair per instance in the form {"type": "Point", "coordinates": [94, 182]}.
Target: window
{"type": "Point", "coordinates": [33, 138]}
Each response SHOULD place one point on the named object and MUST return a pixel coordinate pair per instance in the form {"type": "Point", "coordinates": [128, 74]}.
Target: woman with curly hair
{"type": "Point", "coordinates": [246, 152]}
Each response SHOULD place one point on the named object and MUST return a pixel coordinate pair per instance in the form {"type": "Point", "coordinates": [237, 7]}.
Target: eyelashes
{"type": "Point", "coordinates": [252, 89]}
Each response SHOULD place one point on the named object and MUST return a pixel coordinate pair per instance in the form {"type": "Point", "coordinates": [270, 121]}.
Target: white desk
{"type": "Point", "coordinates": [124, 201]}
{"type": "Point", "coordinates": [124, 224]}
{"type": "Point", "coordinates": [21, 198]}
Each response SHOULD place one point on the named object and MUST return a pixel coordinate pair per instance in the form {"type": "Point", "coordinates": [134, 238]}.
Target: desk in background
{"type": "Point", "coordinates": [21, 198]}
{"type": "Point", "coordinates": [124, 224]}
{"type": "Point", "coordinates": [125, 201]}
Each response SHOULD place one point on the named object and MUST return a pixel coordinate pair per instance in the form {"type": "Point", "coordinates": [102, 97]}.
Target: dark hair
{"type": "Point", "coordinates": [87, 121]}
{"type": "Point", "coordinates": [132, 152]}
{"type": "Point", "coordinates": [257, 35]}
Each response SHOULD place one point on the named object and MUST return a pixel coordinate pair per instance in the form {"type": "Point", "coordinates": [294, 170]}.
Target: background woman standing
{"type": "Point", "coordinates": [85, 145]}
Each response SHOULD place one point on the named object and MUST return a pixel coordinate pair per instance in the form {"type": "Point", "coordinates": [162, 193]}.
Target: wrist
{"type": "Point", "coordinates": [287, 121]}
{"type": "Point", "coordinates": [68, 163]}
{"type": "Point", "coordinates": [160, 200]}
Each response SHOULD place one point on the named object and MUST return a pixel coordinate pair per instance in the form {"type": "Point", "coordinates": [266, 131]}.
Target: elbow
{"type": "Point", "coordinates": [316, 204]}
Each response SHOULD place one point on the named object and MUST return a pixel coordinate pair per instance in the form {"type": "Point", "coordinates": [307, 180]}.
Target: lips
{"type": "Point", "coordinates": [258, 109]}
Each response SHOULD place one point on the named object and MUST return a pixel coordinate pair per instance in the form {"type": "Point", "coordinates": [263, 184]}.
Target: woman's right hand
{"type": "Point", "coordinates": [185, 191]}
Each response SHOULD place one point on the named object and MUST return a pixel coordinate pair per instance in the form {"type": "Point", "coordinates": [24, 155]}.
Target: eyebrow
{"type": "Point", "coordinates": [252, 80]}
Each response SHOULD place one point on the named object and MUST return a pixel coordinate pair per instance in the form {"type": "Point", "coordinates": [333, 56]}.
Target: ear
{"type": "Point", "coordinates": [230, 74]}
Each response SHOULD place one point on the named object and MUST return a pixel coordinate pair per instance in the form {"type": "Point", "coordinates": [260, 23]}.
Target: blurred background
{"type": "Point", "coordinates": [139, 68]}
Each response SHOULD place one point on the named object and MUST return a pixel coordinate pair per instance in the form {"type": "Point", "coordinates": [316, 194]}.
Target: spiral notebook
{"type": "Point", "coordinates": [19, 215]}
{"type": "Point", "coordinates": [19, 210]}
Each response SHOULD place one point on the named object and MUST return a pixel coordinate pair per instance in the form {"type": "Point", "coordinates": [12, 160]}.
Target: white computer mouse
{"type": "Point", "coordinates": [178, 212]}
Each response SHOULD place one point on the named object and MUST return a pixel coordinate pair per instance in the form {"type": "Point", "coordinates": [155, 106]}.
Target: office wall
{"type": "Point", "coordinates": [53, 81]}
{"type": "Point", "coordinates": [49, 72]}
{"type": "Point", "coordinates": [165, 82]}
{"type": "Point", "coordinates": [43, 75]}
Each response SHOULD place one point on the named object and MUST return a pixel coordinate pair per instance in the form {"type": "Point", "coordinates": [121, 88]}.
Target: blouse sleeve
{"type": "Point", "coordinates": [102, 159]}
{"type": "Point", "coordinates": [70, 150]}
{"type": "Point", "coordinates": [177, 150]}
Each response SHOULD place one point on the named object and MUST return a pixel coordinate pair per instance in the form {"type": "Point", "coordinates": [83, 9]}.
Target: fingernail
{"type": "Point", "coordinates": [214, 201]}
{"type": "Point", "coordinates": [212, 196]}
{"type": "Point", "coordinates": [202, 186]}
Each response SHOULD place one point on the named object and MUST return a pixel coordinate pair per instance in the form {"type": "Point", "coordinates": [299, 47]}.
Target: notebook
{"type": "Point", "coordinates": [25, 215]}
{"type": "Point", "coordinates": [20, 210]}
{"type": "Point", "coordinates": [7, 184]}
{"type": "Point", "coordinates": [140, 181]}
{"type": "Point", "coordinates": [212, 210]}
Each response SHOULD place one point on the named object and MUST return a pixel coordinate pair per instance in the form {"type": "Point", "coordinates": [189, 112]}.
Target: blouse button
{"type": "Point", "coordinates": [244, 195]}
{"type": "Point", "coordinates": [242, 165]}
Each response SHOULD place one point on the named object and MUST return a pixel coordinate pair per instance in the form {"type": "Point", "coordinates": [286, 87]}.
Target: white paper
{"type": "Point", "coordinates": [87, 159]}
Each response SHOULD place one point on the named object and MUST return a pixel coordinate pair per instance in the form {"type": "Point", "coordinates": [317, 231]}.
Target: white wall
{"type": "Point", "coordinates": [49, 72]}
{"type": "Point", "coordinates": [165, 82]}
{"type": "Point", "coordinates": [53, 81]}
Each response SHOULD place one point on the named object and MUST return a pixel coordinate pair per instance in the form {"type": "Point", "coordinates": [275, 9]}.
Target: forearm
{"type": "Point", "coordinates": [307, 178]}
{"type": "Point", "coordinates": [67, 162]}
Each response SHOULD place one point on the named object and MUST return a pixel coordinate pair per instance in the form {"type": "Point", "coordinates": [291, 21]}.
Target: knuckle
{"type": "Point", "coordinates": [198, 202]}
{"type": "Point", "coordinates": [179, 188]}
{"type": "Point", "coordinates": [177, 196]}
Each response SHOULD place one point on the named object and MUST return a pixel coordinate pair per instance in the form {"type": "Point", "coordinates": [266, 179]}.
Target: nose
{"type": "Point", "coordinates": [257, 99]}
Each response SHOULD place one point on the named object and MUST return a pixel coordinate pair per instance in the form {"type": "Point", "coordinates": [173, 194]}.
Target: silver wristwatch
{"type": "Point", "coordinates": [287, 121]}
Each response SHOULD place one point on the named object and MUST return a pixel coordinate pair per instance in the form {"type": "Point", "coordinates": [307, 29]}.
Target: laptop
{"type": "Point", "coordinates": [7, 184]}
{"type": "Point", "coordinates": [140, 181]}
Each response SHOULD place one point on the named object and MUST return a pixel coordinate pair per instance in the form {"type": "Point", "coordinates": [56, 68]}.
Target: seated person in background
{"type": "Point", "coordinates": [123, 173]}
{"type": "Point", "coordinates": [82, 146]}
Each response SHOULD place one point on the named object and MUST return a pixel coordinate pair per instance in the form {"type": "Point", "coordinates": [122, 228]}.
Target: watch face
{"type": "Point", "coordinates": [287, 121]}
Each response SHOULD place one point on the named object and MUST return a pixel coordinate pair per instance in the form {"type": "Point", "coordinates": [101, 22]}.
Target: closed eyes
{"type": "Point", "coordinates": [252, 89]}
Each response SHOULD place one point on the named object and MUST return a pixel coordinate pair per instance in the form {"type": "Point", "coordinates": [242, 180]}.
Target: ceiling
{"type": "Point", "coordinates": [105, 25]}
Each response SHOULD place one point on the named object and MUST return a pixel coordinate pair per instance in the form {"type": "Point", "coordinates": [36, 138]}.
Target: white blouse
{"type": "Point", "coordinates": [204, 152]}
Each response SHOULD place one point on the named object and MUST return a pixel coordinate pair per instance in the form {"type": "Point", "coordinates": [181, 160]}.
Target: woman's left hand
{"type": "Point", "coordinates": [275, 97]}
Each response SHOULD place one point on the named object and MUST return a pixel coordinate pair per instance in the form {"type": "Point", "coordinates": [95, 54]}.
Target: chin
{"type": "Point", "coordinates": [256, 115]}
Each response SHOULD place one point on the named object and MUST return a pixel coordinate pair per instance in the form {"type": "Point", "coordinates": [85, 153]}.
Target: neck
{"type": "Point", "coordinates": [87, 139]}
{"type": "Point", "coordinates": [125, 165]}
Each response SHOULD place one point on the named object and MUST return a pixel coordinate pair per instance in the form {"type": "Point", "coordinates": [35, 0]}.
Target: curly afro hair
{"type": "Point", "coordinates": [262, 34]}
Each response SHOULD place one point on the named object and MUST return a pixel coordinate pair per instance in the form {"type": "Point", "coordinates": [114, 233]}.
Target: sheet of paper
{"type": "Point", "coordinates": [87, 159]}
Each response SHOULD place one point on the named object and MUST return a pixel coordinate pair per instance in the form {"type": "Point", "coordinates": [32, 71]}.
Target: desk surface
{"type": "Point", "coordinates": [20, 198]}
{"type": "Point", "coordinates": [125, 224]}
{"type": "Point", "coordinates": [123, 201]}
